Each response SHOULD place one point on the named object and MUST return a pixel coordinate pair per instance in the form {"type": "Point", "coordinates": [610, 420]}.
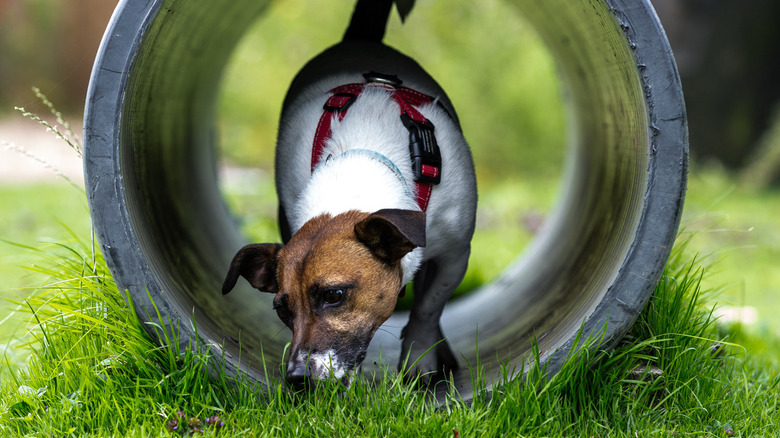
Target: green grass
{"type": "Point", "coordinates": [94, 372]}
{"type": "Point", "coordinates": [32, 214]}
{"type": "Point", "coordinates": [86, 367]}
{"type": "Point", "coordinates": [735, 229]}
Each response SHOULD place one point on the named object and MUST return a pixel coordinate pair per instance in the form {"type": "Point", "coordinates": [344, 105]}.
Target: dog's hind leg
{"type": "Point", "coordinates": [434, 283]}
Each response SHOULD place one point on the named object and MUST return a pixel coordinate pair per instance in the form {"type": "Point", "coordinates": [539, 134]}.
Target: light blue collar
{"type": "Point", "coordinates": [378, 157]}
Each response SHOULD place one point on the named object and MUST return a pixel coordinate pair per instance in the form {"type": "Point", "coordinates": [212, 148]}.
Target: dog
{"type": "Point", "coordinates": [376, 188]}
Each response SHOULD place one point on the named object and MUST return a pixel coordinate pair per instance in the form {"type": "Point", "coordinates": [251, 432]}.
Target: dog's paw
{"type": "Point", "coordinates": [428, 360]}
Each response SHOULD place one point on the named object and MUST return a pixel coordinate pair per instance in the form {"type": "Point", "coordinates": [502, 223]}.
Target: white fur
{"type": "Point", "coordinates": [360, 182]}
{"type": "Point", "coordinates": [382, 178]}
{"type": "Point", "coordinates": [326, 365]}
{"type": "Point", "coordinates": [357, 182]}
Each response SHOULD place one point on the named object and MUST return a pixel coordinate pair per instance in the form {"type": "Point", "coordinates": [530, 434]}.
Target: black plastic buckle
{"type": "Point", "coordinates": [423, 150]}
{"type": "Point", "coordinates": [339, 102]}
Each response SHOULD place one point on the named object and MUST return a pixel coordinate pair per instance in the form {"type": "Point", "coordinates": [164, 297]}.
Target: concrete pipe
{"type": "Point", "coordinates": [168, 236]}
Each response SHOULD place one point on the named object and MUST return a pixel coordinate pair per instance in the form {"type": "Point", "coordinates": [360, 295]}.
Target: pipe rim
{"type": "Point", "coordinates": [117, 205]}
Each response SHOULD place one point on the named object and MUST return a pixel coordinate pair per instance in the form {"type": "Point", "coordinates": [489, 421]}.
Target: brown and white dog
{"type": "Point", "coordinates": [376, 188]}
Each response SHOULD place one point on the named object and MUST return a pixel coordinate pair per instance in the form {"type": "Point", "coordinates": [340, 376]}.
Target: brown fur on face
{"type": "Point", "coordinates": [324, 255]}
{"type": "Point", "coordinates": [336, 281]}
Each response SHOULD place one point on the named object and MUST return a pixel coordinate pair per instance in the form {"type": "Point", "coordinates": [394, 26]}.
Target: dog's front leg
{"type": "Point", "coordinates": [434, 283]}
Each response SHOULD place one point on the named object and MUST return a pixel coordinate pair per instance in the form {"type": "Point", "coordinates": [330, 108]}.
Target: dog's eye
{"type": "Point", "coordinates": [282, 311]}
{"type": "Point", "coordinates": [332, 296]}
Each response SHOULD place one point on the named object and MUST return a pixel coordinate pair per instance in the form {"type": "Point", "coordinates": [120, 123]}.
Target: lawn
{"type": "Point", "coordinates": [33, 214]}
{"type": "Point", "coordinates": [93, 371]}
{"type": "Point", "coordinates": [737, 226]}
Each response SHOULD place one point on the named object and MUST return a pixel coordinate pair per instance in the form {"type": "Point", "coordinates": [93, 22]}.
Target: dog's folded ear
{"type": "Point", "coordinates": [256, 263]}
{"type": "Point", "coordinates": [392, 233]}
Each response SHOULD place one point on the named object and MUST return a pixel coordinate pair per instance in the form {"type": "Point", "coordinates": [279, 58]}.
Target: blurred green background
{"type": "Point", "coordinates": [502, 81]}
{"type": "Point", "coordinates": [510, 98]}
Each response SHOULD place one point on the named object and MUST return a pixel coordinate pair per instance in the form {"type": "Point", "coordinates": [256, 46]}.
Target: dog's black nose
{"type": "Point", "coordinates": [298, 376]}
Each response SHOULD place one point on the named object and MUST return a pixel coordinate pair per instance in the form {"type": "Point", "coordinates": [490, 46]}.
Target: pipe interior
{"type": "Point", "coordinates": [187, 236]}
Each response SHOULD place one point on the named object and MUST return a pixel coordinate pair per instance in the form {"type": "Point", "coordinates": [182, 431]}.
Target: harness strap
{"type": "Point", "coordinates": [423, 149]}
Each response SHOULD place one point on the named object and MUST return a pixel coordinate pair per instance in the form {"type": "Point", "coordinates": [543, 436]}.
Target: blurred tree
{"type": "Point", "coordinates": [728, 53]}
{"type": "Point", "coordinates": [83, 25]}
{"type": "Point", "coordinates": [50, 45]}
{"type": "Point", "coordinates": [763, 167]}
{"type": "Point", "coordinates": [26, 37]}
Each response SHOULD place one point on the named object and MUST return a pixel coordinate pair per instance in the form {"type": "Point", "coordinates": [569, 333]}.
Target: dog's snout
{"type": "Point", "coordinates": [298, 375]}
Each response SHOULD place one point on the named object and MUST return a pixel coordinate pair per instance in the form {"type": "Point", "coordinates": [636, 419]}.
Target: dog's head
{"type": "Point", "coordinates": [336, 282]}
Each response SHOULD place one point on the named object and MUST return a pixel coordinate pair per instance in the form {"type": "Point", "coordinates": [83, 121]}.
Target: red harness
{"type": "Point", "coordinates": [423, 149]}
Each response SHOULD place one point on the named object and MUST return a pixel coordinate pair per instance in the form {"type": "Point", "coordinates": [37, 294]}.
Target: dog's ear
{"type": "Point", "coordinates": [256, 263]}
{"type": "Point", "coordinates": [392, 233]}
